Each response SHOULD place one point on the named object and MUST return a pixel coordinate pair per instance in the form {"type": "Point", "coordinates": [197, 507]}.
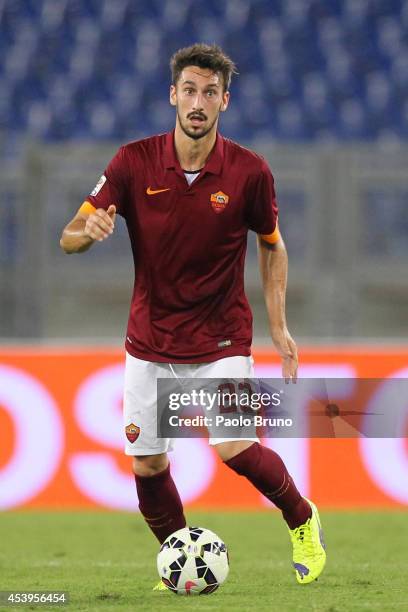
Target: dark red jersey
{"type": "Point", "coordinates": [189, 244]}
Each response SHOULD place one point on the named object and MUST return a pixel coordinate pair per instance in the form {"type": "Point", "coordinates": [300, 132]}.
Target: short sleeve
{"type": "Point", "coordinates": [262, 208]}
{"type": "Point", "coordinates": [112, 187]}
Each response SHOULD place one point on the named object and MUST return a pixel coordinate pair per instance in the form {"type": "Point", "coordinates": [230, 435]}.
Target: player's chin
{"type": "Point", "coordinates": [197, 131]}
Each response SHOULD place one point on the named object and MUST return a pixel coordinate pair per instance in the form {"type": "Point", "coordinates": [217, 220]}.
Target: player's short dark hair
{"type": "Point", "coordinates": [203, 56]}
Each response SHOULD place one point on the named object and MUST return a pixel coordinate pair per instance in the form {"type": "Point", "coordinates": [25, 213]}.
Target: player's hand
{"type": "Point", "coordinates": [287, 349]}
{"type": "Point", "coordinates": [101, 223]}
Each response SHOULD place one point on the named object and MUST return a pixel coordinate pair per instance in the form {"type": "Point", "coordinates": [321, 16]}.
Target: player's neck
{"type": "Point", "coordinates": [192, 154]}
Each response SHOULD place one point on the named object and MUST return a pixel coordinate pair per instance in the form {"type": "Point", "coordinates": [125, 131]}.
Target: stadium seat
{"type": "Point", "coordinates": [307, 67]}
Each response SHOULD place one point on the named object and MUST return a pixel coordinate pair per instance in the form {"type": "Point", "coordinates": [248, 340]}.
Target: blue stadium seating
{"type": "Point", "coordinates": [309, 69]}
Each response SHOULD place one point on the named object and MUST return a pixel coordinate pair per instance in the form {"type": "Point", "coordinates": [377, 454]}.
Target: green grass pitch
{"type": "Point", "coordinates": [107, 562]}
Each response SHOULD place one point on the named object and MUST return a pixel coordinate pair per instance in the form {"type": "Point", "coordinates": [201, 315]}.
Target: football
{"type": "Point", "coordinates": [193, 561]}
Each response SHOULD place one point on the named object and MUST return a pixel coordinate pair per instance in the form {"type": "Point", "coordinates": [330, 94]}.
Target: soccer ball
{"type": "Point", "coordinates": [193, 561]}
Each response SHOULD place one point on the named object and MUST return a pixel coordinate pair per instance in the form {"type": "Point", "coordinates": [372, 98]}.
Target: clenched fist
{"type": "Point", "coordinates": [101, 223]}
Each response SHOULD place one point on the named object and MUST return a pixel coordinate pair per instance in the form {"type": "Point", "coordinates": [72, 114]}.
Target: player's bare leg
{"type": "Point", "coordinates": [149, 465]}
{"type": "Point", "coordinates": [266, 471]}
{"type": "Point", "coordinates": [228, 450]}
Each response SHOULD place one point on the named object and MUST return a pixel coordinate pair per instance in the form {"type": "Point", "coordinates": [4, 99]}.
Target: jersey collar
{"type": "Point", "coordinates": [214, 162]}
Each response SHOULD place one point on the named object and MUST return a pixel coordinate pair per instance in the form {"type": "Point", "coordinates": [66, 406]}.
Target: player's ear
{"type": "Point", "coordinates": [172, 95]}
{"type": "Point", "coordinates": [225, 101]}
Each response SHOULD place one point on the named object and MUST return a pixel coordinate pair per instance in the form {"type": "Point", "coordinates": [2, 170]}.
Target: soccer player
{"type": "Point", "coordinates": [189, 198]}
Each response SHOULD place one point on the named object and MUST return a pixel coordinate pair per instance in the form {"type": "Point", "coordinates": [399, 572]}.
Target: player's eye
{"type": "Point", "coordinates": [210, 93]}
{"type": "Point", "coordinates": [189, 91]}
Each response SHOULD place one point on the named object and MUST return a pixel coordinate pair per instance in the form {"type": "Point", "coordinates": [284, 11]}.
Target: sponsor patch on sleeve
{"type": "Point", "coordinates": [99, 185]}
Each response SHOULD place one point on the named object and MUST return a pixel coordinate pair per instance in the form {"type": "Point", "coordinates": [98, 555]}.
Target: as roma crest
{"type": "Point", "coordinates": [132, 432]}
{"type": "Point", "coordinates": [219, 201]}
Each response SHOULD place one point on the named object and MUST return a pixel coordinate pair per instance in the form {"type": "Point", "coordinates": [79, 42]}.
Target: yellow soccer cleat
{"type": "Point", "coordinates": [309, 550]}
{"type": "Point", "coordinates": [160, 586]}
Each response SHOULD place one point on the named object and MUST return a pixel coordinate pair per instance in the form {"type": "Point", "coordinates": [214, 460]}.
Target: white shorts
{"type": "Point", "coordinates": [140, 397]}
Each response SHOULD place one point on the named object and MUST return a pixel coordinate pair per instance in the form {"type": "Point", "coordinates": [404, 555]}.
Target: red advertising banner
{"type": "Point", "coordinates": [61, 436]}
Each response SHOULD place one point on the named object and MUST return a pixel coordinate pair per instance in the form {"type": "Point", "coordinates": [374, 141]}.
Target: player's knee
{"type": "Point", "coordinates": [228, 450]}
{"type": "Point", "coordinates": [149, 465]}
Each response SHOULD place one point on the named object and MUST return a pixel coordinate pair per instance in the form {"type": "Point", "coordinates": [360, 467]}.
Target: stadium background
{"type": "Point", "coordinates": [322, 93]}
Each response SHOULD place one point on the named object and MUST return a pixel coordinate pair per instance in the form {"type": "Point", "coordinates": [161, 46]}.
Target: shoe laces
{"type": "Point", "coordinates": [303, 540]}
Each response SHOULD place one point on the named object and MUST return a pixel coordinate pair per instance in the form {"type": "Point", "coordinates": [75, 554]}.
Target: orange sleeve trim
{"type": "Point", "coordinates": [272, 238]}
{"type": "Point", "coordinates": [87, 208]}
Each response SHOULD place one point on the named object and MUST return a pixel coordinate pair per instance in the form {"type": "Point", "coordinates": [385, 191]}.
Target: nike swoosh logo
{"type": "Point", "coordinates": [151, 191]}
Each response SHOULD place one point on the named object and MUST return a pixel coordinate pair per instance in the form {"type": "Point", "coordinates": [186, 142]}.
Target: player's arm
{"type": "Point", "coordinates": [273, 264]}
{"type": "Point", "coordinates": [90, 224]}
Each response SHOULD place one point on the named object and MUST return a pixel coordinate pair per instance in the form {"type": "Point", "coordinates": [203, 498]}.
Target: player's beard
{"type": "Point", "coordinates": [192, 133]}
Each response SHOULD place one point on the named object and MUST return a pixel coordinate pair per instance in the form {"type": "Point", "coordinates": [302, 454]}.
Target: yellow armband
{"type": "Point", "coordinates": [272, 238]}
{"type": "Point", "coordinates": [87, 208]}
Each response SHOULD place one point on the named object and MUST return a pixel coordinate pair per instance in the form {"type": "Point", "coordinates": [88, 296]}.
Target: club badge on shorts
{"type": "Point", "coordinates": [132, 432]}
{"type": "Point", "coordinates": [219, 201]}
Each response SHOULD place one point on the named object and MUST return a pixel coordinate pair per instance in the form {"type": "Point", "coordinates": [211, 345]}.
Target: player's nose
{"type": "Point", "coordinates": [198, 103]}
